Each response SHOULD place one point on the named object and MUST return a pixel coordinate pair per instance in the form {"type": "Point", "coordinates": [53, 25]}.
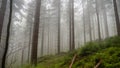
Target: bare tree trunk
{"type": "Point", "coordinates": [73, 32]}
{"type": "Point", "coordinates": [8, 35]}
{"type": "Point", "coordinates": [35, 33]}
{"type": "Point", "coordinates": [89, 19]}
{"type": "Point", "coordinates": [116, 16]}
{"type": "Point", "coordinates": [70, 25]}
{"type": "Point", "coordinates": [2, 14]}
{"type": "Point", "coordinates": [72, 38]}
{"type": "Point", "coordinates": [97, 13]}
{"type": "Point", "coordinates": [48, 38]}
{"type": "Point", "coordinates": [59, 17]}
{"type": "Point", "coordinates": [29, 45]}
{"type": "Point", "coordinates": [84, 23]}
{"type": "Point", "coordinates": [42, 43]}
{"type": "Point", "coordinates": [105, 18]}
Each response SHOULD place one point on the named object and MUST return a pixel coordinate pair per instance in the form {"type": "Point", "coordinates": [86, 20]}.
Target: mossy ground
{"type": "Point", "coordinates": [107, 50]}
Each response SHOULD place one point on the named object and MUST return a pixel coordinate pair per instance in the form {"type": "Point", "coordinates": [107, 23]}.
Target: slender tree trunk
{"type": "Point", "coordinates": [59, 17]}
{"type": "Point", "coordinates": [22, 58]}
{"type": "Point", "coordinates": [84, 23]}
{"type": "Point", "coordinates": [116, 16]}
{"type": "Point", "coordinates": [35, 33]}
{"type": "Point", "coordinates": [48, 38]}
{"type": "Point", "coordinates": [72, 38]}
{"type": "Point", "coordinates": [70, 25]}
{"type": "Point", "coordinates": [89, 19]}
{"type": "Point", "coordinates": [105, 18]}
{"type": "Point", "coordinates": [97, 13]}
{"type": "Point", "coordinates": [2, 14]}
{"type": "Point", "coordinates": [7, 38]}
{"type": "Point", "coordinates": [73, 32]}
{"type": "Point", "coordinates": [42, 43]}
{"type": "Point", "coordinates": [29, 45]}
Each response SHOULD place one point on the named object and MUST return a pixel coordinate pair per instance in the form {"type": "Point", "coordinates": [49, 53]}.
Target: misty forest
{"type": "Point", "coordinates": [59, 33]}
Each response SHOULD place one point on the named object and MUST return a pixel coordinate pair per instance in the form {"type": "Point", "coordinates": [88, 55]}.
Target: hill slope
{"type": "Point", "coordinates": [104, 54]}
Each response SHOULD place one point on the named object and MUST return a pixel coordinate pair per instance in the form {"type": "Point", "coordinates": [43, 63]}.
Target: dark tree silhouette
{"type": "Point", "coordinates": [7, 38]}
{"type": "Point", "coordinates": [116, 17]}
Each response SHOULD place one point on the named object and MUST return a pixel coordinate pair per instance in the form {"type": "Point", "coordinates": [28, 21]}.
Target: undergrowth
{"type": "Point", "coordinates": [88, 56]}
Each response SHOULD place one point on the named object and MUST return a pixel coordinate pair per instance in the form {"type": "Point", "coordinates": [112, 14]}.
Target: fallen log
{"type": "Point", "coordinates": [98, 64]}
{"type": "Point", "coordinates": [73, 60]}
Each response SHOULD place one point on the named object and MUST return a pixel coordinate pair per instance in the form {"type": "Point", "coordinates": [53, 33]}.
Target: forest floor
{"type": "Point", "coordinates": [104, 54]}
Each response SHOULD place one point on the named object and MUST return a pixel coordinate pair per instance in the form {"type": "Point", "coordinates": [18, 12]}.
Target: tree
{"type": "Point", "coordinates": [42, 43]}
{"type": "Point", "coordinates": [7, 38]}
{"type": "Point", "coordinates": [2, 14]}
{"type": "Point", "coordinates": [84, 22]}
{"type": "Point", "coordinates": [89, 19]}
{"type": "Point", "coordinates": [116, 17]}
{"type": "Point", "coordinates": [71, 15]}
{"type": "Point", "coordinates": [59, 17]}
{"type": "Point", "coordinates": [97, 13]}
{"type": "Point", "coordinates": [35, 33]}
{"type": "Point", "coordinates": [105, 18]}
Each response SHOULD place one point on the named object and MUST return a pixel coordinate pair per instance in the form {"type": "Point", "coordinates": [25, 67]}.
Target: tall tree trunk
{"type": "Point", "coordinates": [42, 43]}
{"type": "Point", "coordinates": [70, 25]}
{"type": "Point", "coordinates": [84, 23]}
{"type": "Point", "coordinates": [35, 33]}
{"type": "Point", "coordinates": [72, 38]}
{"type": "Point", "coordinates": [97, 13]}
{"type": "Point", "coordinates": [116, 17]}
{"type": "Point", "coordinates": [73, 32]}
{"type": "Point", "coordinates": [89, 19]}
{"type": "Point", "coordinates": [105, 18]}
{"type": "Point", "coordinates": [8, 35]}
{"type": "Point", "coordinates": [48, 38]}
{"type": "Point", "coordinates": [2, 14]}
{"type": "Point", "coordinates": [29, 45]}
{"type": "Point", "coordinates": [59, 17]}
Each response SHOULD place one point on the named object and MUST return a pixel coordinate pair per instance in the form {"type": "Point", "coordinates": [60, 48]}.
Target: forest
{"type": "Point", "coordinates": [59, 33]}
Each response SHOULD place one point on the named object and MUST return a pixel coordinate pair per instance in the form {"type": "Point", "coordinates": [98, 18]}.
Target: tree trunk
{"type": "Point", "coordinates": [97, 13]}
{"type": "Point", "coordinates": [84, 23]}
{"type": "Point", "coordinates": [2, 14]}
{"type": "Point", "coordinates": [89, 19]}
{"type": "Point", "coordinates": [42, 43]}
{"type": "Point", "coordinates": [8, 35]}
{"type": "Point", "coordinates": [116, 17]}
{"type": "Point", "coordinates": [35, 34]}
{"type": "Point", "coordinates": [105, 18]}
{"type": "Point", "coordinates": [59, 17]}
{"type": "Point", "coordinates": [72, 38]}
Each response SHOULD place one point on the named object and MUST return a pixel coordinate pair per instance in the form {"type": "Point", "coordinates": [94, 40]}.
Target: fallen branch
{"type": "Point", "coordinates": [98, 64]}
{"type": "Point", "coordinates": [73, 60]}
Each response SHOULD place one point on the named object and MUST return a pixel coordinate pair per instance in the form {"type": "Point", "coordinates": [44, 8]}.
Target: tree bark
{"type": "Point", "coordinates": [116, 16]}
{"type": "Point", "coordinates": [72, 38]}
{"type": "Point", "coordinates": [2, 14]}
{"type": "Point", "coordinates": [8, 35]}
{"type": "Point", "coordinates": [59, 17]}
{"type": "Point", "coordinates": [84, 23]}
{"type": "Point", "coordinates": [89, 19]}
{"type": "Point", "coordinates": [105, 19]}
{"type": "Point", "coordinates": [97, 13]}
{"type": "Point", "coordinates": [35, 33]}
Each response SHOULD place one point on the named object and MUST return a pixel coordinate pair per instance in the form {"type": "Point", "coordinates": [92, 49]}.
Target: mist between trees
{"type": "Point", "coordinates": [35, 28]}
